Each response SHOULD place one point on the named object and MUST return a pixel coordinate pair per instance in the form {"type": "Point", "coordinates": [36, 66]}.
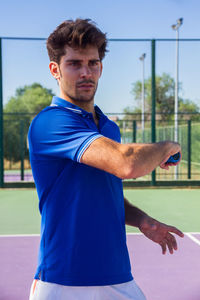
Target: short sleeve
{"type": "Point", "coordinates": [59, 134]}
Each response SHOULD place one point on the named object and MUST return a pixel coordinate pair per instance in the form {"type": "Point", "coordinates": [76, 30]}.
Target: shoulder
{"type": "Point", "coordinates": [55, 120]}
{"type": "Point", "coordinates": [112, 131]}
{"type": "Point", "coordinates": [54, 115]}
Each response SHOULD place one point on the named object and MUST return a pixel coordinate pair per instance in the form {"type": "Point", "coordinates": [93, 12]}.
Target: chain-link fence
{"type": "Point", "coordinates": [122, 69]}
{"type": "Point", "coordinates": [16, 156]}
{"type": "Point", "coordinates": [188, 136]}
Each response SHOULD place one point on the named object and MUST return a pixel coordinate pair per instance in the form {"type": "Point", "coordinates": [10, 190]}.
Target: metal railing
{"type": "Point", "coordinates": [135, 123]}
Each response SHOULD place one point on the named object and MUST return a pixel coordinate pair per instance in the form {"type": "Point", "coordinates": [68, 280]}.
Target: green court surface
{"type": "Point", "coordinates": [19, 212]}
{"type": "Point", "coordinates": [177, 207]}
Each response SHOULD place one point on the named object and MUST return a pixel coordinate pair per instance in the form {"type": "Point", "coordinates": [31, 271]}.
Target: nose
{"type": "Point", "coordinates": [85, 72]}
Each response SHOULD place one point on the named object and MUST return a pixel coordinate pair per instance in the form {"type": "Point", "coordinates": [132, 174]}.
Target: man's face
{"type": "Point", "coordinates": [78, 73]}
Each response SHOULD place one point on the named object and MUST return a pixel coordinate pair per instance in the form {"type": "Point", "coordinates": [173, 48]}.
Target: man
{"type": "Point", "coordinates": [78, 163]}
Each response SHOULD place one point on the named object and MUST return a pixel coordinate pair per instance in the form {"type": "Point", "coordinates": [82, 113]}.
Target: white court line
{"type": "Point", "coordinates": [18, 235]}
{"type": "Point", "coordinates": [134, 233]}
{"type": "Point", "coordinates": [189, 234]}
{"type": "Point", "coordinates": [197, 233]}
{"type": "Point", "coordinates": [193, 238]}
{"type": "Point", "coordinates": [140, 233]}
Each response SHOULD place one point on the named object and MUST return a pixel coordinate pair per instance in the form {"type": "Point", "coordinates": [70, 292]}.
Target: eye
{"type": "Point", "coordinates": [75, 63]}
{"type": "Point", "coordinates": [94, 63]}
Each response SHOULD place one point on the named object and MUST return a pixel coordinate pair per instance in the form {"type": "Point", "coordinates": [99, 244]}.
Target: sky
{"type": "Point", "coordinates": [26, 62]}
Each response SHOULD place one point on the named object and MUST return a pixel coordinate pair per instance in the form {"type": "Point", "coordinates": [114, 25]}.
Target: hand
{"type": "Point", "coordinates": [160, 233]}
{"type": "Point", "coordinates": [174, 148]}
{"type": "Point", "coordinates": [164, 165]}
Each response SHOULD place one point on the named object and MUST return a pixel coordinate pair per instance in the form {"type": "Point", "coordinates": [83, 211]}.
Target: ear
{"type": "Point", "coordinates": [101, 69]}
{"type": "Point", "coordinates": [54, 69]}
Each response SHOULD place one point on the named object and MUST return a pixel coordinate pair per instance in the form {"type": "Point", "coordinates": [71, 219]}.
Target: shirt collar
{"type": "Point", "coordinates": [57, 101]}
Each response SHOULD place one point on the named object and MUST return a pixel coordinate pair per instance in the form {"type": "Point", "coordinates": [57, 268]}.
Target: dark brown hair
{"type": "Point", "coordinates": [76, 34]}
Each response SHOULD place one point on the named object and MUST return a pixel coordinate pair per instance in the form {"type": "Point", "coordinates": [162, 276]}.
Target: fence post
{"type": "Point", "coordinates": [189, 149]}
{"type": "Point", "coordinates": [153, 102]}
{"type": "Point", "coordinates": [22, 148]}
{"type": "Point", "coordinates": [134, 131]}
{"type": "Point", "coordinates": [1, 120]}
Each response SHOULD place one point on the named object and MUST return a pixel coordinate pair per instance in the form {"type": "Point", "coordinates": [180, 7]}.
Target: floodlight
{"type": "Point", "coordinates": [180, 21]}
{"type": "Point", "coordinates": [142, 57]}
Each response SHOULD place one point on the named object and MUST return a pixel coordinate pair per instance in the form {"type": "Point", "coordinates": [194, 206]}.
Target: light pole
{"type": "Point", "coordinates": [176, 28]}
{"type": "Point", "coordinates": [142, 57]}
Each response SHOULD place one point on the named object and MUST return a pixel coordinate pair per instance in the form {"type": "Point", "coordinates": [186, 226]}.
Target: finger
{"type": "Point", "coordinates": [172, 164]}
{"type": "Point", "coordinates": [175, 230]}
{"type": "Point", "coordinates": [163, 163]}
{"type": "Point", "coordinates": [174, 243]}
{"type": "Point", "coordinates": [165, 167]}
{"type": "Point", "coordinates": [170, 246]}
{"type": "Point", "coordinates": [163, 246]}
{"type": "Point", "coordinates": [176, 163]}
{"type": "Point", "coordinates": [171, 243]}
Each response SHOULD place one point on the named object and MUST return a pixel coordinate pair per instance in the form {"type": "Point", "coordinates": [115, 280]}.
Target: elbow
{"type": "Point", "coordinates": [130, 173]}
{"type": "Point", "coordinates": [127, 163]}
{"type": "Point", "coordinates": [130, 168]}
{"type": "Point", "coordinates": [127, 172]}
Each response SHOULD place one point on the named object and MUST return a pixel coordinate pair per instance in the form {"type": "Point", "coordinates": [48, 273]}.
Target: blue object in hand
{"type": "Point", "coordinates": [174, 158]}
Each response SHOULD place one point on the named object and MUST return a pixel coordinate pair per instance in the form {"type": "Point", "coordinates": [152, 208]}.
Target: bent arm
{"type": "Point", "coordinates": [127, 160]}
{"type": "Point", "coordinates": [156, 231]}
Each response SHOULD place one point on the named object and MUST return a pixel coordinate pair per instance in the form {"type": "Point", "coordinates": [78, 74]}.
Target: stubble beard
{"type": "Point", "coordinates": [82, 98]}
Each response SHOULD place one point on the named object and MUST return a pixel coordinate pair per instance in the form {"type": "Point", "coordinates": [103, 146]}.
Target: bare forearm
{"type": "Point", "coordinates": [144, 158]}
{"type": "Point", "coordinates": [133, 215]}
{"type": "Point", "coordinates": [129, 160]}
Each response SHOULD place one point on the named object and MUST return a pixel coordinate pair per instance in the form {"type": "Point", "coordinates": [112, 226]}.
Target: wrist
{"type": "Point", "coordinates": [135, 216]}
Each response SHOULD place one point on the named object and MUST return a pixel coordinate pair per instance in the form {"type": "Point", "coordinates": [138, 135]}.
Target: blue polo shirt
{"type": "Point", "coordinates": [83, 239]}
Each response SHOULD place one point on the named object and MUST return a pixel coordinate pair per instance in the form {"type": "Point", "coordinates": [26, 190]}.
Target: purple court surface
{"type": "Point", "coordinates": [161, 277]}
{"type": "Point", "coordinates": [17, 177]}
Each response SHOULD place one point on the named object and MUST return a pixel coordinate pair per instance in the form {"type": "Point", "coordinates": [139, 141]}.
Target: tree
{"type": "Point", "coordinates": [29, 99]}
{"type": "Point", "coordinates": [165, 88]}
{"type": "Point", "coordinates": [18, 113]}
{"type": "Point", "coordinates": [189, 110]}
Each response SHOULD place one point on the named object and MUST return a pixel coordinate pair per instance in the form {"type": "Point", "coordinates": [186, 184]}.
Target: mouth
{"type": "Point", "coordinates": [85, 85]}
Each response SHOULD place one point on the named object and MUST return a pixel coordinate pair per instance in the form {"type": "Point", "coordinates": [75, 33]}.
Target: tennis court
{"type": "Point", "coordinates": [174, 277]}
